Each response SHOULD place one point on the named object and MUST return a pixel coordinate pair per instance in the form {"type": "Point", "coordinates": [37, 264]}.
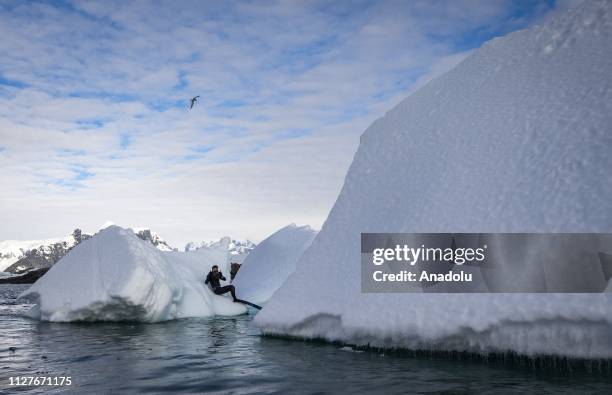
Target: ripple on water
{"type": "Point", "coordinates": [228, 355]}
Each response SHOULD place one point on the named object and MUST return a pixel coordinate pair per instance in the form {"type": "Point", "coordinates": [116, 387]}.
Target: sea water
{"type": "Point", "coordinates": [228, 355]}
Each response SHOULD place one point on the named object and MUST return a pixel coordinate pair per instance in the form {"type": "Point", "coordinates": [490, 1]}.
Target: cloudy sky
{"type": "Point", "coordinates": [95, 122]}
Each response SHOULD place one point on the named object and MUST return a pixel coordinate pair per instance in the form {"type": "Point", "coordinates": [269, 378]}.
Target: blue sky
{"type": "Point", "coordinates": [94, 105]}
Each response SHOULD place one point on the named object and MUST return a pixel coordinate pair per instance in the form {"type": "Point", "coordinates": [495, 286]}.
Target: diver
{"type": "Point", "coordinates": [214, 277]}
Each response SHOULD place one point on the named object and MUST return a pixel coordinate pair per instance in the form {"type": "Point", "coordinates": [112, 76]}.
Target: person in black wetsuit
{"type": "Point", "coordinates": [213, 278]}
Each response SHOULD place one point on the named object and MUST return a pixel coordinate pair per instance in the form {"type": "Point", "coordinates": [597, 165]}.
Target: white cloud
{"type": "Point", "coordinates": [94, 122]}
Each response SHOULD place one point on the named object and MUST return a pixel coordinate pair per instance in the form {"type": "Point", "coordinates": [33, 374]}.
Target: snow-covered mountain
{"type": "Point", "coordinates": [12, 250]}
{"type": "Point", "coordinates": [147, 234]}
{"type": "Point", "coordinates": [153, 238]}
{"type": "Point", "coordinates": [18, 256]}
{"type": "Point", "coordinates": [516, 138]}
{"type": "Point", "coordinates": [238, 249]}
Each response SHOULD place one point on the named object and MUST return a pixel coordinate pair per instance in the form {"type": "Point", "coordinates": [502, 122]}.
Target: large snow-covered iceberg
{"type": "Point", "coordinates": [116, 276]}
{"type": "Point", "coordinates": [516, 138]}
{"type": "Point", "coordinates": [267, 267]}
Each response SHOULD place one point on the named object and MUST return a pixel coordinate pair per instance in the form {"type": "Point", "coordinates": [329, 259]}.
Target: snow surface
{"type": "Point", "coordinates": [116, 276]}
{"type": "Point", "coordinates": [267, 267]}
{"type": "Point", "coordinates": [516, 138]}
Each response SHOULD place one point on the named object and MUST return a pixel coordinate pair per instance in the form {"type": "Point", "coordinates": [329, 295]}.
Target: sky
{"type": "Point", "coordinates": [95, 124]}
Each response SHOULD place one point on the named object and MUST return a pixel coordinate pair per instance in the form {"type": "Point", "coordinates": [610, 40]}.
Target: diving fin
{"type": "Point", "coordinates": [248, 303]}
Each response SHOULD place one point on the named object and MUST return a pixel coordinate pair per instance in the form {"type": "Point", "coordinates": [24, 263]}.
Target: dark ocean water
{"type": "Point", "coordinates": [228, 355]}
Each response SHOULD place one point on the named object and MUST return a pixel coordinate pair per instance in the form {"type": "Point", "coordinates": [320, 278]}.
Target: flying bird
{"type": "Point", "coordinates": [193, 101]}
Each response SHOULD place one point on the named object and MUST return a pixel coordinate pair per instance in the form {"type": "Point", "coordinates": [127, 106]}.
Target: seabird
{"type": "Point", "coordinates": [193, 101]}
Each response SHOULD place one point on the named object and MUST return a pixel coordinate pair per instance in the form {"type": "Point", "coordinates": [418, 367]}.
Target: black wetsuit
{"type": "Point", "coordinates": [213, 278]}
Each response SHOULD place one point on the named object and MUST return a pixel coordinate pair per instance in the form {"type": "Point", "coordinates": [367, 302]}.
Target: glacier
{"type": "Point", "coordinates": [267, 267]}
{"type": "Point", "coordinates": [116, 276]}
{"type": "Point", "coordinates": [516, 138]}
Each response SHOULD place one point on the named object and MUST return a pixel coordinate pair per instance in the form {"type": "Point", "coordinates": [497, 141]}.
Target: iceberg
{"type": "Point", "coordinates": [267, 267]}
{"type": "Point", "coordinates": [116, 276]}
{"type": "Point", "coordinates": [516, 138]}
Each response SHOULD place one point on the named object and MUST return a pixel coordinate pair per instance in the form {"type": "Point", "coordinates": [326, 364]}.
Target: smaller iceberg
{"type": "Point", "coordinates": [116, 276]}
{"type": "Point", "coordinates": [267, 267]}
